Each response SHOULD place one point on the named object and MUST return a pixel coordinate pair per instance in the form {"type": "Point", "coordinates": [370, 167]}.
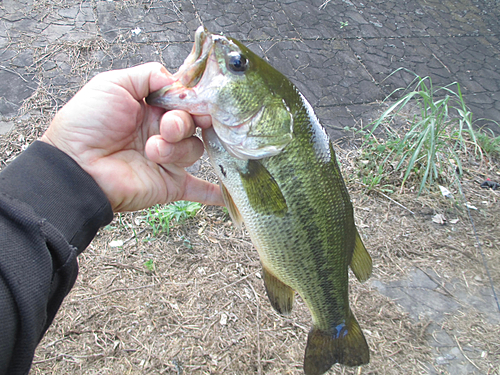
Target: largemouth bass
{"type": "Point", "coordinates": [279, 176]}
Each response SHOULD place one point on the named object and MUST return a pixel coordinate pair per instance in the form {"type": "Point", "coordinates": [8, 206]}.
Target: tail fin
{"type": "Point", "coordinates": [346, 345]}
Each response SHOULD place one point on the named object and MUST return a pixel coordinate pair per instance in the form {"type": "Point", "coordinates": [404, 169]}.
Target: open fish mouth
{"type": "Point", "coordinates": [191, 71]}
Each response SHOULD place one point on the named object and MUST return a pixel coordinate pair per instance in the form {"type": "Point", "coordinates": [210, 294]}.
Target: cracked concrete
{"type": "Point", "coordinates": [338, 54]}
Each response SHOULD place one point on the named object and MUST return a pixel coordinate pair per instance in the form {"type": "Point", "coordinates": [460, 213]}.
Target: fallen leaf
{"type": "Point", "coordinates": [439, 219]}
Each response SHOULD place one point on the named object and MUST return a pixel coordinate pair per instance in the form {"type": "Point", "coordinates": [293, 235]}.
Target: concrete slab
{"type": "Point", "coordinates": [430, 297]}
{"type": "Point", "coordinates": [15, 88]}
{"type": "Point", "coordinates": [337, 52]}
{"type": "Point", "coordinates": [6, 126]}
{"type": "Point", "coordinates": [424, 294]}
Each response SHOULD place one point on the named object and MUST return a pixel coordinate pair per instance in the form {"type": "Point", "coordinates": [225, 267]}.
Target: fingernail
{"type": "Point", "coordinates": [164, 150]}
{"type": "Point", "coordinates": [178, 127]}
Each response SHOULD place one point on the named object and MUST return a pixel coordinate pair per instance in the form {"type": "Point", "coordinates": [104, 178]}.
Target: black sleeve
{"type": "Point", "coordinates": [50, 210]}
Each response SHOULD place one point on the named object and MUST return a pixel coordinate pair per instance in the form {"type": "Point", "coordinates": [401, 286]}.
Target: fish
{"type": "Point", "coordinates": [279, 177]}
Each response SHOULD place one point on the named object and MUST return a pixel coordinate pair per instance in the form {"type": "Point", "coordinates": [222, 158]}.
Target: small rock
{"type": "Point", "coordinates": [456, 352]}
{"type": "Point", "coordinates": [248, 294]}
{"type": "Point", "coordinates": [223, 319]}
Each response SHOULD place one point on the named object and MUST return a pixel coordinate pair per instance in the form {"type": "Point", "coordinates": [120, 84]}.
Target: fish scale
{"type": "Point", "coordinates": [279, 176]}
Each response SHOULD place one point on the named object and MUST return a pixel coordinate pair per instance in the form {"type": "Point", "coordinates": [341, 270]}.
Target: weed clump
{"type": "Point", "coordinates": [430, 147]}
{"type": "Point", "coordinates": [161, 217]}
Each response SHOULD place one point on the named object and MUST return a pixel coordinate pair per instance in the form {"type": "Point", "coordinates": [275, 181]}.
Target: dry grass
{"type": "Point", "coordinates": [204, 310]}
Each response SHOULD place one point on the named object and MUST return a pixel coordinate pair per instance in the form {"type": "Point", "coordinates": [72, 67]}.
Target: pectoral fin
{"type": "Point", "coordinates": [231, 207]}
{"type": "Point", "coordinates": [280, 295]}
{"type": "Point", "coordinates": [361, 262]}
{"type": "Point", "coordinates": [264, 194]}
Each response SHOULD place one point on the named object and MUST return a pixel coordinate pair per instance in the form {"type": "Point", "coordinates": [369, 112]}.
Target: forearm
{"type": "Point", "coordinates": [50, 209]}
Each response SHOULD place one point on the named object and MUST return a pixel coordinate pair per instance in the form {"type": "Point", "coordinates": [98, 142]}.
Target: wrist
{"type": "Point", "coordinates": [58, 190]}
{"type": "Point", "coordinates": [55, 141]}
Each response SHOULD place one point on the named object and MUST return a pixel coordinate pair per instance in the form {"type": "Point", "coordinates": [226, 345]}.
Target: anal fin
{"type": "Point", "coordinates": [361, 262]}
{"type": "Point", "coordinates": [231, 207]}
{"type": "Point", "coordinates": [344, 344]}
{"type": "Point", "coordinates": [280, 295]}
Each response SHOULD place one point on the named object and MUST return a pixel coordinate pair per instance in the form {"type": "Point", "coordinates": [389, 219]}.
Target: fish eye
{"type": "Point", "coordinates": [236, 62]}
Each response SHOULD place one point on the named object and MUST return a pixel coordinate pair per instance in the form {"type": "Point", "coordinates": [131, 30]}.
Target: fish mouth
{"type": "Point", "coordinates": [192, 69]}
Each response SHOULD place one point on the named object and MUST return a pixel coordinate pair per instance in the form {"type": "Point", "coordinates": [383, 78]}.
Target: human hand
{"type": "Point", "coordinates": [135, 152]}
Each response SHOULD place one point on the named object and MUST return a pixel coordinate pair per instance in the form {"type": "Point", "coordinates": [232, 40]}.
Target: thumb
{"type": "Point", "coordinates": [140, 80]}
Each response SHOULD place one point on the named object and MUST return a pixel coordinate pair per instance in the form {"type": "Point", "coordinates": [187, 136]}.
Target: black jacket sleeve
{"type": "Point", "coordinates": [50, 210]}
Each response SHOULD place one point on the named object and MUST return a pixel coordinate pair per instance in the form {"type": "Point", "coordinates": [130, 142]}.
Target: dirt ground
{"type": "Point", "coordinates": [202, 309]}
{"type": "Point", "coordinates": [193, 301]}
